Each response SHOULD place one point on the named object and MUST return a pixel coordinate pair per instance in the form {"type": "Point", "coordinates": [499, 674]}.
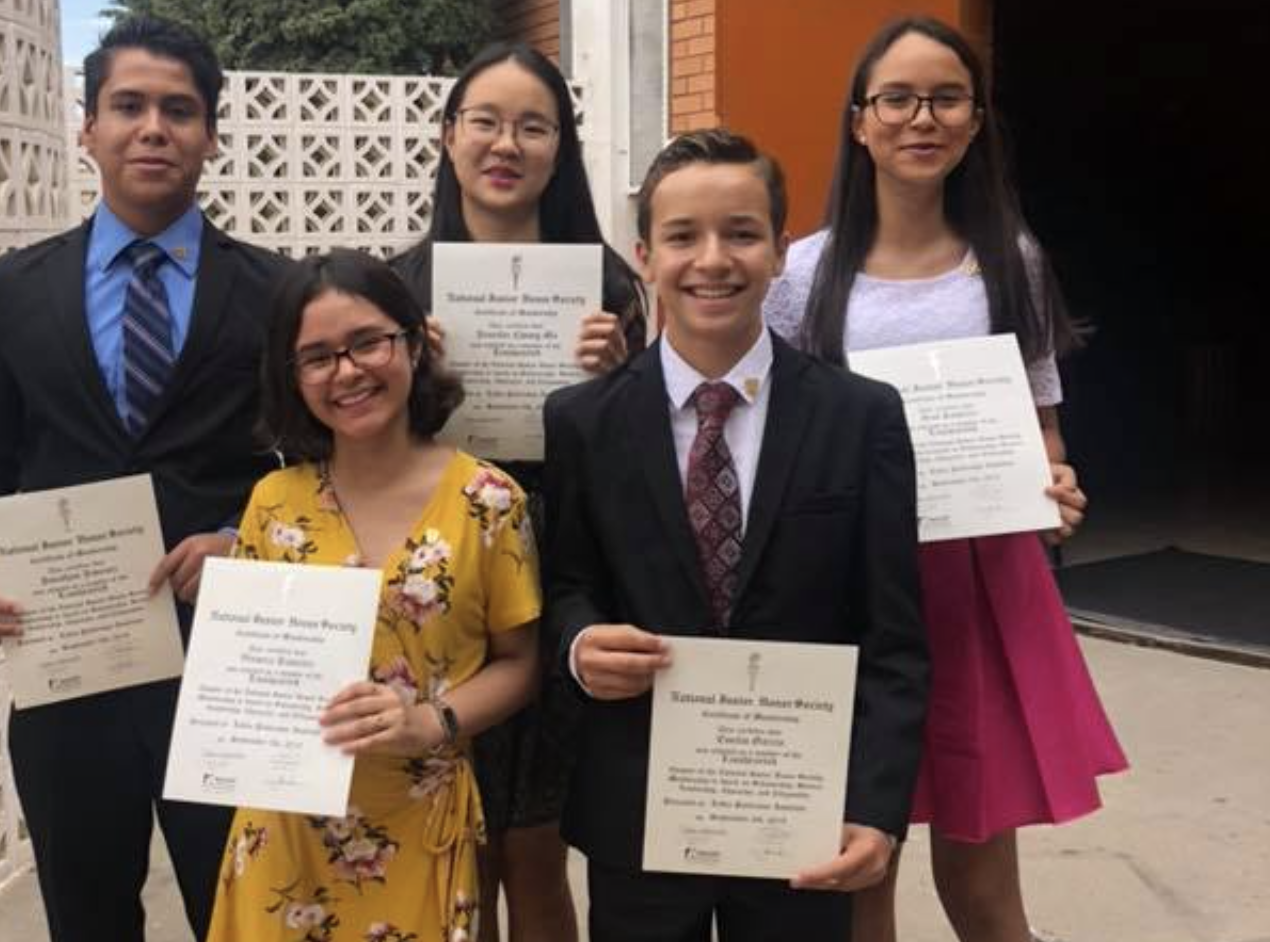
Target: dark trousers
{"type": "Point", "coordinates": [89, 774]}
{"type": "Point", "coordinates": [634, 906]}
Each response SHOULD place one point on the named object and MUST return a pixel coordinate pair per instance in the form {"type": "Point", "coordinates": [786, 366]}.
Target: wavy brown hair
{"type": "Point", "coordinates": [286, 422]}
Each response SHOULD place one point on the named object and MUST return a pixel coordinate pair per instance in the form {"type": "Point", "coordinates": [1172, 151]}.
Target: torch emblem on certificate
{"type": "Point", "coordinates": [78, 560]}
{"type": "Point", "coordinates": [512, 313]}
{"type": "Point", "coordinates": [747, 771]}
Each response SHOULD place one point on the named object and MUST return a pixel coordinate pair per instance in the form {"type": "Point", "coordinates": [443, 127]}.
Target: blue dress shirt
{"type": "Point", "coordinates": [106, 276]}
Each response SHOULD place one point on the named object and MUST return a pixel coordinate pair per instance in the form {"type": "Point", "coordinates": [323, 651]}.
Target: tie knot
{"type": "Point", "coordinates": [715, 402]}
{"type": "Point", "coordinates": [145, 256]}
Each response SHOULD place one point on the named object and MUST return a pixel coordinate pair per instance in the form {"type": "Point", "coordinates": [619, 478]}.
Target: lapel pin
{"type": "Point", "coordinates": [751, 387]}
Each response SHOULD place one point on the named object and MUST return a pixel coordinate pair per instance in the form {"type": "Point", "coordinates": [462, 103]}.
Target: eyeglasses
{"type": "Point", "coordinates": [895, 109]}
{"type": "Point", "coordinates": [318, 366]}
{"type": "Point", "coordinates": [530, 131]}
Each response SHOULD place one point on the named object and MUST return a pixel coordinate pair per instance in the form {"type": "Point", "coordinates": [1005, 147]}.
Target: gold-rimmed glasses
{"type": "Point", "coordinates": [530, 131]}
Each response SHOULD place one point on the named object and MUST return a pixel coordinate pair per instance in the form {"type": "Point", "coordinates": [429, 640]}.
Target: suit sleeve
{"type": "Point", "coordinates": [892, 682]}
{"type": "Point", "coordinates": [10, 430]}
{"type": "Point", "coordinates": [578, 587]}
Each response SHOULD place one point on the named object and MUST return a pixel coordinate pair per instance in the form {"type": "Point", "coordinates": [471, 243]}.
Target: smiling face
{"type": "Point", "coordinates": [710, 254]}
{"type": "Point", "coordinates": [357, 403]}
{"type": "Point", "coordinates": [502, 175]}
{"type": "Point", "coordinates": [150, 137]}
{"type": "Point", "coordinates": [920, 151]}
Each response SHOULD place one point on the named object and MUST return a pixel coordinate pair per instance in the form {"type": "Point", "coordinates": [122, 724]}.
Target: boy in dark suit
{"type": "Point", "coordinates": [723, 483]}
{"type": "Point", "coordinates": [128, 345]}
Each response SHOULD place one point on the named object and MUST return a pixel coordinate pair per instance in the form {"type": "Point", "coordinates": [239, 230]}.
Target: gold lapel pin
{"type": "Point", "coordinates": [751, 387]}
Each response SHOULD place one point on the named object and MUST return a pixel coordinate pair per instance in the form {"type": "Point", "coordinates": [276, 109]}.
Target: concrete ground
{"type": "Point", "coordinates": [1180, 853]}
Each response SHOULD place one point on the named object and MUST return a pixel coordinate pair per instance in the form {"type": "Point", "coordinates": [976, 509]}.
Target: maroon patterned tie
{"type": "Point", "coordinates": [713, 497]}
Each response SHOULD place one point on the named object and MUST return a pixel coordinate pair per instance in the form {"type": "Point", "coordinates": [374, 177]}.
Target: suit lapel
{"type": "Point", "coordinates": [66, 279]}
{"type": "Point", "coordinates": [212, 287]}
{"type": "Point", "coordinates": [656, 448]}
{"type": "Point", "coordinates": [787, 418]}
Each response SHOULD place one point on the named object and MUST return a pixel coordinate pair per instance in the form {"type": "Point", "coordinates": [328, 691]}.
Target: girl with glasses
{"type": "Point", "coordinates": [925, 241]}
{"type": "Point", "coordinates": [351, 395]}
{"type": "Point", "coordinates": [511, 171]}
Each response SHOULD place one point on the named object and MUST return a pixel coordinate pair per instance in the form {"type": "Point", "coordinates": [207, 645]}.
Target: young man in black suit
{"type": "Point", "coordinates": [128, 345]}
{"type": "Point", "coordinates": [723, 483]}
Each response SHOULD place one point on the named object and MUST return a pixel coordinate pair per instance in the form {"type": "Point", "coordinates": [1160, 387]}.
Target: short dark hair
{"type": "Point", "coordinates": [286, 423]}
{"type": "Point", "coordinates": [160, 38]}
{"type": "Point", "coordinates": [712, 146]}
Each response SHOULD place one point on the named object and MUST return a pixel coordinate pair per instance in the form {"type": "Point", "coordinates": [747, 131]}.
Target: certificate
{"type": "Point", "coordinates": [511, 314]}
{"type": "Point", "coordinates": [272, 643]}
{"type": "Point", "coordinates": [747, 765]}
{"type": "Point", "coordinates": [981, 464]}
{"type": "Point", "coordinates": [78, 560]}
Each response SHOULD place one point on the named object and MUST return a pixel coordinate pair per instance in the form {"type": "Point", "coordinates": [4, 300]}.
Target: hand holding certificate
{"type": "Point", "coordinates": [272, 644]}
{"type": "Point", "coordinates": [981, 463]}
{"type": "Point", "coordinates": [747, 770]}
{"type": "Point", "coordinates": [78, 560]}
{"type": "Point", "coordinates": [511, 314]}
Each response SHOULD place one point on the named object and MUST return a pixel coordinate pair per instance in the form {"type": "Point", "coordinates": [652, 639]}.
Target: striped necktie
{"type": "Point", "coordinates": [147, 336]}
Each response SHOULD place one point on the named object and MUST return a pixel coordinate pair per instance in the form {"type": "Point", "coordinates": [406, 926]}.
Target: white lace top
{"type": "Point", "coordinates": [886, 313]}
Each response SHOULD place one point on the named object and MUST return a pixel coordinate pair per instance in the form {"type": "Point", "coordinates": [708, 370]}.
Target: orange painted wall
{"type": "Point", "coordinates": [781, 78]}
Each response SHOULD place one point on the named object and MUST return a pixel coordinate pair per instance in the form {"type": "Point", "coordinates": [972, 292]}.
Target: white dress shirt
{"type": "Point", "coordinates": [743, 431]}
{"type": "Point", "coordinates": [751, 376]}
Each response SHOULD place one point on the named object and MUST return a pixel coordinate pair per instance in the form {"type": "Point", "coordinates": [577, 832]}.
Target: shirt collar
{"type": "Point", "coordinates": [179, 241]}
{"type": "Point", "coordinates": [747, 376]}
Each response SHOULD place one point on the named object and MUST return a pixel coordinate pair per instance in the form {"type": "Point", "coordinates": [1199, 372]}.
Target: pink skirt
{"type": "Point", "coordinates": [1015, 734]}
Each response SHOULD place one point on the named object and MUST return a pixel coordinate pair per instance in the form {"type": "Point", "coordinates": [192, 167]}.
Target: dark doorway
{"type": "Point", "coordinates": [1137, 134]}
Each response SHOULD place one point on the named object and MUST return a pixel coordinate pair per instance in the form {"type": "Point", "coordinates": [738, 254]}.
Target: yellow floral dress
{"type": "Point", "coordinates": [401, 864]}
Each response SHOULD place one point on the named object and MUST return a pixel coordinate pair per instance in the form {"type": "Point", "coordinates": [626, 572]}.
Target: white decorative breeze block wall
{"type": "Point", "coordinates": [32, 142]}
{"type": "Point", "coordinates": [309, 162]}
{"type": "Point", "coordinates": [33, 202]}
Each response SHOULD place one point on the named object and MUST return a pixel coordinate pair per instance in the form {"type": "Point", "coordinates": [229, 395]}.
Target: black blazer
{"type": "Point", "coordinates": [58, 424]}
{"type": "Point", "coordinates": [830, 555]}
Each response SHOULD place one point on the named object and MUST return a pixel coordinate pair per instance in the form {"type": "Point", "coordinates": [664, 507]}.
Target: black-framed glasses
{"type": "Point", "coordinates": [895, 109]}
{"type": "Point", "coordinates": [317, 366]}
{"type": "Point", "coordinates": [485, 125]}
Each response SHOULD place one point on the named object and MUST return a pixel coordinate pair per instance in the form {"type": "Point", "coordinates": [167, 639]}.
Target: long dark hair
{"type": "Point", "coordinates": [566, 213]}
{"type": "Point", "coordinates": [286, 423]}
{"type": "Point", "coordinates": [979, 203]}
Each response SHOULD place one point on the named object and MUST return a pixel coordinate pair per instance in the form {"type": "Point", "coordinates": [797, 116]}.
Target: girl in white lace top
{"type": "Point", "coordinates": [925, 241]}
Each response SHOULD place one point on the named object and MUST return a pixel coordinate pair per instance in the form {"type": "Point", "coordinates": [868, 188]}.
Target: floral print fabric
{"type": "Point", "coordinates": [400, 865]}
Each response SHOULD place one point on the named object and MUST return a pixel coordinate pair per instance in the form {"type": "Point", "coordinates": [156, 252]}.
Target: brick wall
{"type": "Point", "coordinates": [536, 22]}
{"type": "Point", "coordinates": [692, 65]}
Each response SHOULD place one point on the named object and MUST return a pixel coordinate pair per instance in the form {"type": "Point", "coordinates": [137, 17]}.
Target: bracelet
{"type": "Point", "coordinates": [447, 719]}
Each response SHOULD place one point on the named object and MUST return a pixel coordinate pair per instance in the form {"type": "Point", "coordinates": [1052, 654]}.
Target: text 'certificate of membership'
{"type": "Point", "coordinates": [272, 643]}
{"type": "Point", "coordinates": [981, 464]}
{"type": "Point", "coordinates": [511, 314]}
{"type": "Point", "coordinates": [78, 560]}
{"type": "Point", "coordinates": [747, 766]}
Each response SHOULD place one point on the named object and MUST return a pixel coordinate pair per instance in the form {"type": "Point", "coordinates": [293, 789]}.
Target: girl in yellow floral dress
{"type": "Point", "coordinates": [350, 395]}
